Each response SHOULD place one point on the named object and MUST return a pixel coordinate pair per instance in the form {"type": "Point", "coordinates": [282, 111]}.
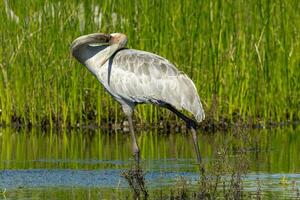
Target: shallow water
{"type": "Point", "coordinates": [88, 164]}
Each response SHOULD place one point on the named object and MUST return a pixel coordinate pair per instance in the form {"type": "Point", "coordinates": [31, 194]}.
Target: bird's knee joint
{"type": "Point", "coordinates": [136, 151]}
{"type": "Point", "coordinates": [127, 110]}
{"type": "Point", "coordinates": [191, 125]}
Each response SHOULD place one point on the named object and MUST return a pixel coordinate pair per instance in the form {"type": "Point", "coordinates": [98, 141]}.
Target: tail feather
{"type": "Point", "coordinates": [190, 99]}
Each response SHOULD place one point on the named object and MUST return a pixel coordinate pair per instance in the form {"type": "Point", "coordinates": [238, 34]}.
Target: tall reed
{"type": "Point", "coordinates": [242, 55]}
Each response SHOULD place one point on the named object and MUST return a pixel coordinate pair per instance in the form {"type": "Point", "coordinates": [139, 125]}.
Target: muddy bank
{"type": "Point", "coordinates": [209, 125]}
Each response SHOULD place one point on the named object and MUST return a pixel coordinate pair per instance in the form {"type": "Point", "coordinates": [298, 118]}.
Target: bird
{"type": "Point", "coordinates": [135, 77]}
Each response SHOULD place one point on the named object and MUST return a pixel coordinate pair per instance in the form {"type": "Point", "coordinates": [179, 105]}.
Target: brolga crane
{"type": "Point", "coordinates": [134, 77]}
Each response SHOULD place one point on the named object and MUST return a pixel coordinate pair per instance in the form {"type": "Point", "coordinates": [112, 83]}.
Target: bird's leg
{"type": "Point", "coordinates": [128, 110]}
{"type": "Point", "coordinates": [135, 175]}
{"type": "Point", "coordinates": [196, 146]}
{"type": "Point", "coordinates": [135, 147]}
{"type": "Point", "coordinates": [195, 140]}
{"type": "Point", "coordinates": [190, 125]}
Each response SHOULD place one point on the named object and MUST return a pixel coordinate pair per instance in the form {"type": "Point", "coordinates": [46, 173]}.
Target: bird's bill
{"type": "Point", "coordinates": [99, 38]}
{"type": "Point", "coordinates": [96, 39]}
{"type": "Point", "coordinates": [91, 39]}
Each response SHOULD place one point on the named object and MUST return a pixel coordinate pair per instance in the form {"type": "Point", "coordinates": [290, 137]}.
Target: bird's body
{"type": "Point", "coordinates": [133, 77]}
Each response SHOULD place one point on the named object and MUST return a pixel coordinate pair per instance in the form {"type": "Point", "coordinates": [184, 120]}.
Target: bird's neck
{"type": "Point", "coordinates": [93, 57]}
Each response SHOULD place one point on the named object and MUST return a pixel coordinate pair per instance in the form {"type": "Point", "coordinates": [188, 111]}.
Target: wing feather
{"type": "Point", "coordinates": [142, 77]}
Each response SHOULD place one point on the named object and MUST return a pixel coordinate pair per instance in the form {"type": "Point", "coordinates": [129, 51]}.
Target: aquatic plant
{"type": "Point", "coordinates": [135, 178]}
{"type": "Point", "coordinates": [242, 55]}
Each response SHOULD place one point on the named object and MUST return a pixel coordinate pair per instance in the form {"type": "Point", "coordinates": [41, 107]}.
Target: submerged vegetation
{"type": "Point", "coordinates": [244, 57]}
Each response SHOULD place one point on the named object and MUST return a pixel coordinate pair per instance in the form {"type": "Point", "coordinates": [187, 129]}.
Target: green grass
{"type": "Point", "coordinates": [244, 57]}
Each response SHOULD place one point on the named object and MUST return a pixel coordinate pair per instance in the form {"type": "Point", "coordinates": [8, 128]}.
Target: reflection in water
{"type": "Point", "coordinates": [74, 163]}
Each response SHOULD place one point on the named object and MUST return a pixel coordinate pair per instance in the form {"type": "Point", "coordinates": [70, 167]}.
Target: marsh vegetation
{"type": "Point", "coordinates": [242, 55]}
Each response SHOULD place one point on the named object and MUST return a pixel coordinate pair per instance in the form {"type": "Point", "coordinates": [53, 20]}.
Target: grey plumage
{"type": "Point", "coordinates": [143, 77]}
{"type": "Point", "coordinates": [133, 77]}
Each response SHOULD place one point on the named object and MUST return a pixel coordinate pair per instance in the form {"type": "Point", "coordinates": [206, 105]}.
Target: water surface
{"type": "Point", "coordinates": [88, 164]}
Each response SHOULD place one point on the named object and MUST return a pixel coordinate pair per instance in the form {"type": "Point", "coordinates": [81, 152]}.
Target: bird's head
{"type": "Point", "coordinates": [93, 50]}
{"type": "Point", "coordinates": [99, 39]}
